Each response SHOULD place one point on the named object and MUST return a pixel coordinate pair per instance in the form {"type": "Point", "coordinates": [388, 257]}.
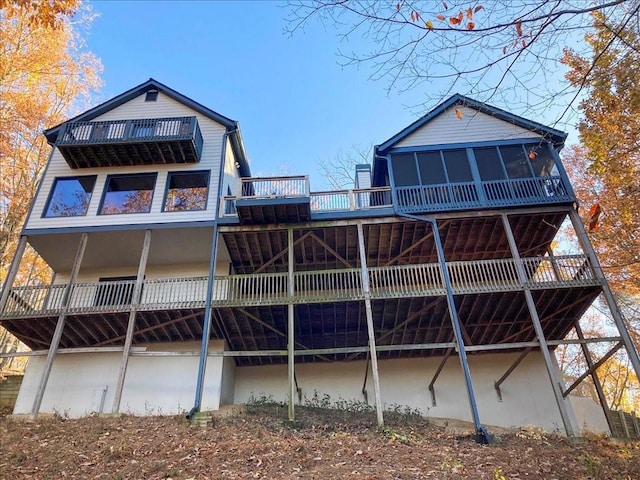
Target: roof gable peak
{"type": "Point", "coordinates": [151, 84]}
{"type": "Point", "coordinates": [556, 137]}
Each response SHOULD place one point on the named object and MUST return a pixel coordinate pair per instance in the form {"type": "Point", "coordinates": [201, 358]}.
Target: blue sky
{"type": "Point", "coordinates": [296, 105]}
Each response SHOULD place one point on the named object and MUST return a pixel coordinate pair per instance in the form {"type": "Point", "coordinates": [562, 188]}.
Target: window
{"type": "Point", "coordinates": [457, 165]}
{"type": "Point", "coordinates": [404, 170]}
{"type": "Point", "coordinates": [515, 161]}
{"type": "Point", "coordinates": [70, 196]}
{"type": "Point", "coordinates": [186, 191]}
{"type": "Point", "coordinates": [151, 96]}
{"type": "Point", "coordinates": [128, 194]}
{"type": "Point", "coordinates": [541, 160]}
{"type": "Point", "coordinates": [489, 163]}
{"type": "Point", "coordinates": [431, 169]}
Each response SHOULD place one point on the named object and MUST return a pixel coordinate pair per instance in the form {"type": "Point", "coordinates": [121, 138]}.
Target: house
{"type": "Point", "coordinates": [182, 283]}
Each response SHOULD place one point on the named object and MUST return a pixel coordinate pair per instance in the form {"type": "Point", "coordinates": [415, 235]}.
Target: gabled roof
{"type": "Point", "coordinates": [232, 126]}
{"type": "Point", "coordinates": [555, 136]}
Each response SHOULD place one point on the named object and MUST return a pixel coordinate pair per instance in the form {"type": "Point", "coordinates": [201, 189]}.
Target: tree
{"type": "Point", "coordinates": [606, 169]}
{"type": "Point", "coordinates": [340, 172]}
{"type": "Point", "coordinates": [605, 172]}
{"type": "Point", "coordinates": [44, 73]}
{"type": "Point", "coordinates": [508, 49]}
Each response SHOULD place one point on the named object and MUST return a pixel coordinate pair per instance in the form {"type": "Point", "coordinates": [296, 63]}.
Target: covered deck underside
{"type": "Point", "coordinates": [413, 321]}
{"type": "Point", "coordinates": [388, 241]}
{"type": "Point", "coordinates": [487, 320]}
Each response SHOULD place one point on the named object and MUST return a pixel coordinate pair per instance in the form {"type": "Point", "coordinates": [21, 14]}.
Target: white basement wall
{"type": "Point", "coordinates": [527, 395]}
{"type": "Point", "coordinates": [153, 385]}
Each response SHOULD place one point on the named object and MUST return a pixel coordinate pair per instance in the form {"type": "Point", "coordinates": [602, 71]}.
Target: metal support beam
{"type": "Point", "coordinates": [13, 271]}
{"type": "Point", "coordinates": [135, 302]}
{"type": "Point", "coordinates": [298, 389]}
{"type": "Point", "coordinates": [583, 238]}
{"type": "Point", "coordinates": [513, 366]}
{"type": "Point", "coordinates": [366, 375]}
{"type": "Point", "coordinates": [436, 375]}
{"type": "Point", "coordinates": [481, 432]}
{"type": "Point", "coordinates": [369, 313]}
{"type": "Point", "coordinates": [593, 368]}
{"type": "Point", "coordinates": [290, 329]}
{"type": "Point", "coordinates": [596, 381]}
{"type": "Point", "coordinates": [57, 334]}
{"type": "Point", "coordinates": [563, 407]}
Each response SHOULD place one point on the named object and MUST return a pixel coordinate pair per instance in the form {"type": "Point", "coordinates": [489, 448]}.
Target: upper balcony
{"type": "Point", "coordinates": [115, 143]}
{"type": "Point", "coordinates": [289, 199]}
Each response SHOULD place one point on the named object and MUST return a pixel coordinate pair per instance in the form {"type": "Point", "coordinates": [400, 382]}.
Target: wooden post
{"type": "Point", "coordinates": [135, 302]}
{"type": "Point", "coordinates": [290, 330]}
{"type": "Point", "coordinates": [369, 313]}
{"type": "Point", "coordinates": [57, 334]}
{"type": "Point", "coordinates": [606, 290]}
{"type": "Point", "coordinates": [569, 426]}
{"type": "Point", "coordinates": [13, 271]}
{"type": "Point", "coordinates": [596, 380]}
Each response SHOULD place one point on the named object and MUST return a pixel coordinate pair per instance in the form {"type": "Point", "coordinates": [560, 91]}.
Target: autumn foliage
{"type": "Point", "coordinates": [44, 76]}
{"type": "Point", "coordinates": [606, 169]}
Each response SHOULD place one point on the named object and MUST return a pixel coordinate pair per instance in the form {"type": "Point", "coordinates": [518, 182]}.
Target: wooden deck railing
{"type": "Point", "coordinates": [404, 281]}
{"type": "Point", "coordinates": [119, 131]}
{"type": "Point", "coordinates": [495, 193]}
{"type": "Point", "coordinates": [320, 202]}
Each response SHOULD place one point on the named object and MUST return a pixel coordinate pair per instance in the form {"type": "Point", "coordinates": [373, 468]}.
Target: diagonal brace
{"type": "Point", "coordinates": [515, 364]}
{"type": "Point", "coordinates": [593, 368]}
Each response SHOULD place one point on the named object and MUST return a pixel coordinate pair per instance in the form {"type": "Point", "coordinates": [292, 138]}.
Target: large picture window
{"type": "Point", "coordinates": [128, 194]}
{"type": "Point", "coordinates": [186, 191]}
{"type": "Point", "coordinates": [70, 196]}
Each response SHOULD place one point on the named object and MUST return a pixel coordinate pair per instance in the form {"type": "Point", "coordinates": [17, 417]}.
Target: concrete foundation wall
{"type": "Point", "coordinates": [81, 384]}
{"type": "Point", "coordinates": [527, 395]}
{"type": "Point", "coordinates": [589, 415]}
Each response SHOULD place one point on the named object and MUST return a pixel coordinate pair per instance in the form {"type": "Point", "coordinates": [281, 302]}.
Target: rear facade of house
{"type": "Point", "coordinates": [182, 283]}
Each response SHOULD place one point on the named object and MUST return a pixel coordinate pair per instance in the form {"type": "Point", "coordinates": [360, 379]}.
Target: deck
{"type": "Point", "coordinates": [289, 199]}
{"type": "Point", "coordinates": [131, 142]}
{"type": "Point", "coordinates": [250, 310]}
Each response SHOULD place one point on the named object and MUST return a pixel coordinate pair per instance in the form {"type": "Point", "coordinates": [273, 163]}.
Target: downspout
{"type": "Point", "coordinates": [482, 436]}
{"type": "Point", "coordinates": [206, 327]}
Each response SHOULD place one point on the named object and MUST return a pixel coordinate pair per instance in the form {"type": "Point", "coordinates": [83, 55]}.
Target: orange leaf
{"type": "Point", "coordinates": [478, 8]}
{"type": "Point", "coordinates": [429, 24]}
{"type": "Point", "coordinates": [444, 4]}
{"type": "Point", "coordinates": [469, 13]}
{"type": "Point", "coordinates": [519, 28]}
{"type": "Point", "coordinates": [471, 26]}
{"type": "Point", "coordinates": [533, 155]}
{"type": "Point", "coordinates": [524, 43]}
{"type": "Point", "coordinates": [504, 50]}
{"type": "Point", "coordinates": [440, 17]}
{"type": "Point", "coordinates": [454, 21]}
{"type": "Point", "coordinates": [413, 16]}
{"type": "Point", "coordinates": [459, 113]}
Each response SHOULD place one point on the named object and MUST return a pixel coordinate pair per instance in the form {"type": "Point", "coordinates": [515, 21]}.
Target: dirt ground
{"type": "Point", "coordinates": [258, 442]}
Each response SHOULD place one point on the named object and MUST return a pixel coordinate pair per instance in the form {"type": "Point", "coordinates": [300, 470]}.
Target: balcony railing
{"type": "Point", "coordinates": [320, 202]}
{"type": "Point", "coordinates": [169, 140]}
{"type": "Point", "coordinates": [404, 281]}
{"type": "Point", "coordinates": [495, 193]}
